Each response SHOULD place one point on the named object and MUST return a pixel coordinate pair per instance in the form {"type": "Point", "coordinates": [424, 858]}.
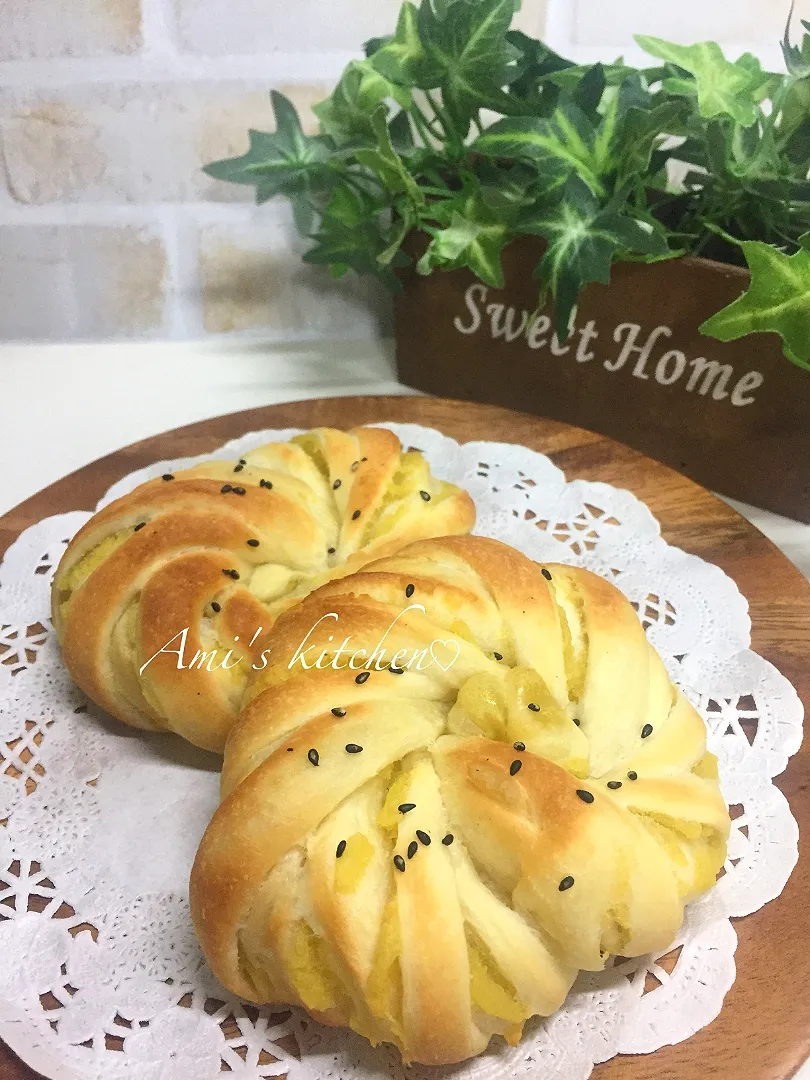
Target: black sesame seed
{"type": "Point", "coordinates": [425, 495]}
{"type": "Point", "coordinates": [586, 796]}
{"type": "Point", "coordinates": [239, 467]}
{"type": "Point", "coordinates": [353, 748]}
{"type": "Point", "coordinates": [225, 489]}
{"type": "Point", "coordinates": [409, 590]}
{"type": "Point", "coordinates": [447, 840]}
{"type": "Point", "coordinates": [355, 515]}
{"type": "Point", "coordinates": [498, 656]}
{"type": "Point", "coordinates": [423, 837]}
{"type": "Point", "coordinates": [139, 526]}
{"type": "Point", "coordinates": [519, 746]}
{"type": "Point", "coordinates": [167, 476]}
{"type": "Point", "coordinates": [355, 465]}
{"type": "Point", "coordinates": [364, 459]}
{"type": "Point", "coordinates": [566, 883]}
{"type": "Point", "coordinates": [340, 849]}
{"type": "Point", "coordinates": [515, 767]}
{"type": "Point", "coordinates": [253, 543]}
{"type": "Point", "coordinates": [289, 749]}
{"type": "Point", "coordinates": [576, 721]}
{"type": "Point", "coordinates": [313, 757]}
{"type": "Point", "coordinates": [231, 574]}
{"type": "Point", "coordinates": [363, 677]}
{"type": "Point", "coordinates": [406, 806]}
{"type": "Point", "coordinates": [614, 785]}
{"type": "Point", "coordinates": [330, 551]}
{"type": "Point", "coordinates": [337, 711]}
{"type": "Point", "coordinates": [546, 574]}
{"type": "Point", "coordinates": [336, 485]}
{"type": "Point", "coordinates": [534, 706]}
{"type": "Point", "coordinates": [242, 461]}
{"type": "Point", "coordinates": [646, 731]}
{"type": "Point", "coordinates": [239, 491]}
{"type": "Point", "coordinates": [632, 775]}
{"type": "Point", "coordinates": [216, 607]}
{"type": "Point", "coordinates": [265, 484]}
{"type": "Point", "coordinates": [399, 863]}
{"type": "Point", "coordinates": [396, 670]}
{"type": "Point", "coordinates": [413, 847]}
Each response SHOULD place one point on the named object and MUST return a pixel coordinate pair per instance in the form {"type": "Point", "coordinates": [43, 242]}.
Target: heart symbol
{"type": "Point", "coordinates": [451, 643]}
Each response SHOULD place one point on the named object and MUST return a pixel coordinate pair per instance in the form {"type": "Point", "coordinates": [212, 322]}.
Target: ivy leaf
{"type": "Point", "coordinates": [474, 237]}
{"type": "Point", "coordinates": [347, 113]}
{"type": "Point", "coordinates": [402, 57]}
{"type": "Point", "coordinates": [638, 135]}
{"type": "Point", "coordinates": [469, 53]}
{"type": "Point", "coordinates": [349, 237]}
{"type": "Point", "coordinates": [582, 240]}
{"type": "Point", "coordinates": [374, 44]}
{"type": "Point", "coordinates": [643, 237]}
{"type": "Point", "coordinates": [589, 90]}
{"type": "Point", "coordinates": [797, 58]}
{"type": "Point", "coordinates": [723, 88]}
{"type": "Point", "coordinates": [536, 61]}
{"type": "Point", "coordinates": [347, 209]}
{"type": "Point", "coordinates": [285, 161]}
{"type": "Point", "coordinates": [629, 128]}
{"type": "Point", "coordinates": [750, 152]}
{"type": "Point", "coordinates": [563, 144]}
{"type": "Point", "coordinates": [385, 162]}
{"type": "Point", "coordinates": [797, 149]}
{"type": "Point", "coordinates": [401, 135]}
{"type": "Point", "coordinates": [795, 106]}
{"type": "Point", "coordinates": [404, 220]}
{"type": "Point", "coordinates": [777, 300]}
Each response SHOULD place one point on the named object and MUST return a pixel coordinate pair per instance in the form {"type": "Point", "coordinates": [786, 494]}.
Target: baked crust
{"type": "Point", "coordinates": [611, 821]}
{"type": "Point", "coordinates": [141, 582]}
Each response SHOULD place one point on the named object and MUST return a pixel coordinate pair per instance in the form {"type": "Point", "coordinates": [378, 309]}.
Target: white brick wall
{"type": "Point", "coordinates": [49, 28]}
{"type": "Point", "coordinates": [68, 281]}
{"type": "Point", "coordinates": [736, 22]}
{"type": "Point", "coordinates": [108, 110]}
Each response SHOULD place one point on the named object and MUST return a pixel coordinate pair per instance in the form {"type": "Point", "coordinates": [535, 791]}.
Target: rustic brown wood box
{"type": "Point", "coordinates": [735, 417]}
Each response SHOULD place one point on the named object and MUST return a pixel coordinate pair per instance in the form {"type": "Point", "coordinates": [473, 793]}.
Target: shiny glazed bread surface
{"type": "Point", "coordinates": [430, 856]}
{"type": "Point", "coordinates": [188, 567]}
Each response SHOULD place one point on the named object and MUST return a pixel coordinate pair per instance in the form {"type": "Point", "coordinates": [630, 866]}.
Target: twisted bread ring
{"type": "Point", "coordinates": [188, 567]}
{"type": "Point", "coordinates": [427, 843]}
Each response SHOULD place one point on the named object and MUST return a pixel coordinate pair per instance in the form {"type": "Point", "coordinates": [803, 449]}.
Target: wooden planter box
{"type": "Point", "coordinates": [735, 417]}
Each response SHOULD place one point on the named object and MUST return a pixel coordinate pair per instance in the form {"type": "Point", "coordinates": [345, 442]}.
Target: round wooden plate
{"type": "Point", "coordinates": [763, 1031]}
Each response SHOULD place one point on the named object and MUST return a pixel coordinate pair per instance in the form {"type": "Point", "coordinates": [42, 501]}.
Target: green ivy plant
{"type": "Point", "coordinates": [471, 134]}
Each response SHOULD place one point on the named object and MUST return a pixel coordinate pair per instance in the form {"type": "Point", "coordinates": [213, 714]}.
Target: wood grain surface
{"type": "Point", "coordinates": [690, 420]}
{"type": "Point", "coordinates": [763, 1031]}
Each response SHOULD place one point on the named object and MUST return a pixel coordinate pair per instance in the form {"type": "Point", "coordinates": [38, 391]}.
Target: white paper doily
{"type": "Point", "coordinates": [100, 974]}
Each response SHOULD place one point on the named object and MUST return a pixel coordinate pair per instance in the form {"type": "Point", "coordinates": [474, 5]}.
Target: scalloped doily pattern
{"type": "Point", "coordinates": [102, 977]}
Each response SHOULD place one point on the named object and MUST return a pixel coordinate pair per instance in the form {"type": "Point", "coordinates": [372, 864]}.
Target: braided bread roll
{"type": "Point", "coordinates": [190, 566]}
{"type": "Point", "coordinates": [429, 852]}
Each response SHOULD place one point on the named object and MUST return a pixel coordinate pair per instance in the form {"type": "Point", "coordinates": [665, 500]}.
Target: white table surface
{"type": "Point", "coordinates": [62, 406]}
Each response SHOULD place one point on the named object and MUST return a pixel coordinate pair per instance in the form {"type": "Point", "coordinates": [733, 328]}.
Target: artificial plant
{"type": "Point", "coordinates": [472, 133]}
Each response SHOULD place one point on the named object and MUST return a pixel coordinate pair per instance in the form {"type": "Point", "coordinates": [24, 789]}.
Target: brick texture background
{"type": "Point", "coordinates": [108, 110]}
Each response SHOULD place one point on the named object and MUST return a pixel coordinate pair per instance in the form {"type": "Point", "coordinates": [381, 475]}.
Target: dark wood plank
{"type": "Point", "coordinates": [763, 1032]}
{"type": "Point", "coordinates": [646, 376]}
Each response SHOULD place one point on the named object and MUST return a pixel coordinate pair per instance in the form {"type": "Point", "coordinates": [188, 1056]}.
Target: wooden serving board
{"type": "Point", "coordinates": [763, 1031]}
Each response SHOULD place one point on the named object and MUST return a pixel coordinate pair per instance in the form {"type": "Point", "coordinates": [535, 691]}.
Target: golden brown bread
{"type": "Point", "coordinates": [429, 855]}
{"type": "Point", "coordinates": [196, 563]}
